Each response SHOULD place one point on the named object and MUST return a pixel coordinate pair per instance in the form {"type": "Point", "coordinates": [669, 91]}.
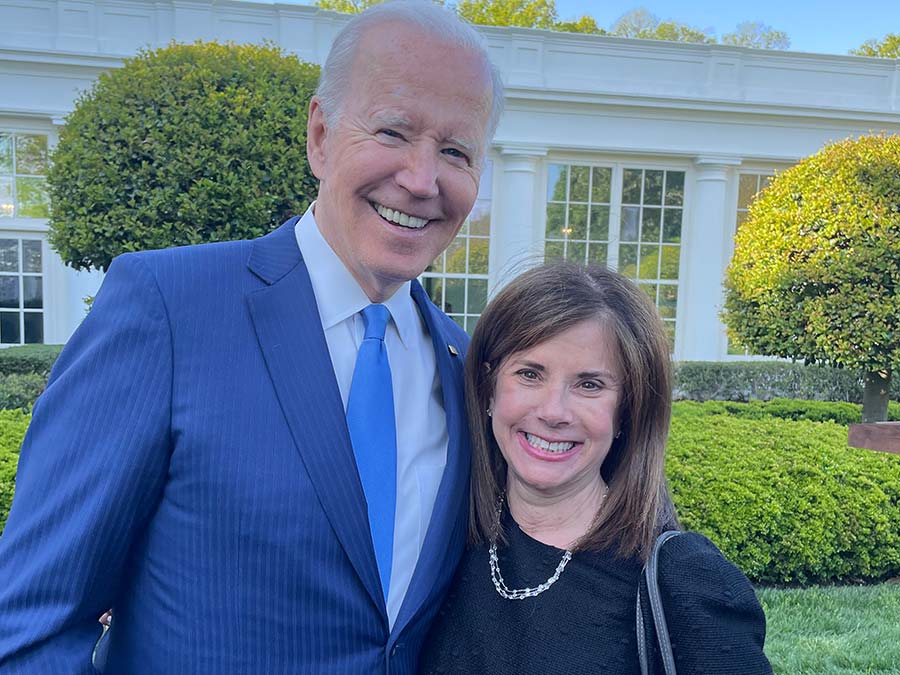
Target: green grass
{"type": "Point", "coordinates": [840, 630]}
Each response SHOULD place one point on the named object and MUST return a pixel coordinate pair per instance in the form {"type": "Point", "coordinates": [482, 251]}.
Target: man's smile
{"type": "Point", "coordinates": [400, 218]}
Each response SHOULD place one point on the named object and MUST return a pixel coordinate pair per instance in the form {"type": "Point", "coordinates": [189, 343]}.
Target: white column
{"type": "Point", "coordinates": [704, 258]}
{"type": "Point", "coordinates": [516, 241]}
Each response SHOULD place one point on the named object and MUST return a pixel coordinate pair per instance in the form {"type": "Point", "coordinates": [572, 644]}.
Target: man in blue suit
{"type": "Point", "coordinates": [190, 463]}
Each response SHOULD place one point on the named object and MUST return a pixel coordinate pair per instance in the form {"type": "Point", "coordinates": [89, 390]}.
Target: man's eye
{"type": "Point", "coordinates": [391, 133]}
{"type": "Point", "coordinates": [455, 152]}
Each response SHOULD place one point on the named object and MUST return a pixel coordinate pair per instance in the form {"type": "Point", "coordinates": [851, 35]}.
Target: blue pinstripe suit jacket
{"type": "Point", "coordinates": [190, 466]}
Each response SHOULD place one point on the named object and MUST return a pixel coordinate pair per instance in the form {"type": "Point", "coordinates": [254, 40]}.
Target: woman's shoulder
{"type": "Point", "coordinates": [690, 562]}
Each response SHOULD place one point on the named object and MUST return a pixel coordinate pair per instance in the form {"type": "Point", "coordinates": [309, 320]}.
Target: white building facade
{"type": "Point", "coordinates": [639, 154]}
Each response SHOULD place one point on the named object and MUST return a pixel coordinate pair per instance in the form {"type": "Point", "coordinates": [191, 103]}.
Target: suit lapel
{"type": "Point", "coordinates": [286, 320]}
{"type": "Point", "coordinates": [451, 495]}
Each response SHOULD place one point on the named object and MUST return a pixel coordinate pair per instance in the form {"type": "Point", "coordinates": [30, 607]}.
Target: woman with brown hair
{"type": "Point", "coordinates": [569, 401]}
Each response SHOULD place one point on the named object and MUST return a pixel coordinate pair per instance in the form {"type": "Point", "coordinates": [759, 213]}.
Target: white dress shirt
{"type": "Point", "coordinates": [418, 401]}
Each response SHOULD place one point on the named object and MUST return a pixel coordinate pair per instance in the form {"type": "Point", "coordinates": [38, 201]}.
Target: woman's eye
{"type": "Point", "coordinates": [527, 374]}
{"type": "Point", "coordinates": [591, 385]}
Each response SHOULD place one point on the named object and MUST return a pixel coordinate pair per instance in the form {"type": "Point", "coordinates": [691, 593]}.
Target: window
{"type": "Point", "coordinates": [24, 160]}
{"type": "Point", "coordinates": [21, 292]}
{"type": "Point", "coordinates": [643, 242]}
{"type": "Point", "coordinates": [749, 185]}
{"type": "Point", "coordinates": [457, 280]}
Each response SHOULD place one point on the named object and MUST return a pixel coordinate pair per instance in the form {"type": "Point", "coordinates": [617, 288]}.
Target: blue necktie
{"type": "Point", "coordinates": [370, 419]}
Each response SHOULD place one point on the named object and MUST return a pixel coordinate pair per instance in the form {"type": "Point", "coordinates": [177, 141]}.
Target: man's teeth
{"type": "Point", "coordinates": [547, 446]}
{"type": "Point", "coordinates": [399, 218]}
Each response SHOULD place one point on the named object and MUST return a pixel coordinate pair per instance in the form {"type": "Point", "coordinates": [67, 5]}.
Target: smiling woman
{"type": "Point", "coordinates": [568, 395]}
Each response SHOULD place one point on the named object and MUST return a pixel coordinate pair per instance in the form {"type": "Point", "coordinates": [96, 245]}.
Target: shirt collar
{"type": "Point", "coordinates": [338, 295]}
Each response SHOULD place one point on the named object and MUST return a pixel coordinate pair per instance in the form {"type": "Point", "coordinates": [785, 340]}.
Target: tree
{"type": "Point", "coordinates": [757, 35]}
{"type": "Point", "coordinates": [347, 6]}
{"type": "Point", "coordinates": [186, 144]}
{"type": "Point", "coordinates": [816, 267]}
{"type": "Point", "coordinates": [586, 24]}
{"type": "Point", "coordinates": [643, 24]}
{"type": "Point", "coordinates": [888, 47]}
{"type": "Point", "coordinates": [524, 13]}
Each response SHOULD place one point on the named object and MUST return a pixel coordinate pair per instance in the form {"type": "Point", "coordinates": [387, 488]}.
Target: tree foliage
{"type": "Point", "coordinates": [524, 13]}
{"type": "Point", "coordinates": [643, 24]}
{"type": "Point", "coordinates": [816, 268]}
{"type": "Point", "coordinates": [757, 35]}
{"type": "Point", "coordinates": [186, 144]}
{"type": "Point", "coordinates": [888, 47]}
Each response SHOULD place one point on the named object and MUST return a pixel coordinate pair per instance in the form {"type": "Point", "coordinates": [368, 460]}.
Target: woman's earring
{"type": "Point", "coordinates": [490, 411]}
{"type": "Point", "coordinates": [618, 433]}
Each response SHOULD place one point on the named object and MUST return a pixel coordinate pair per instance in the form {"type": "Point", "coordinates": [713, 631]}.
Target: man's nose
{"type": "Point", "coordinates": [419, 175]}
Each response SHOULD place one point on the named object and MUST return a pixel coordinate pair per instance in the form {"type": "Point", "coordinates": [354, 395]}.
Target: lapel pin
{"type": "Point", "coordinates": [452, 350]}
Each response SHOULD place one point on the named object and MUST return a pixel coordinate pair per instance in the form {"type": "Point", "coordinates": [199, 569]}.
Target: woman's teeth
{"type": "Point", "coordinates": [547, 446]}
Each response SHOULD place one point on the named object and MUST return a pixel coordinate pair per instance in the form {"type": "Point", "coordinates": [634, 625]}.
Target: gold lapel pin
{"type": "Point", "coordinates": [452, 350]}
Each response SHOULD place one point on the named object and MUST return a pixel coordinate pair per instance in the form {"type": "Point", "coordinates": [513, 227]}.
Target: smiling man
{"type": "Point", "coordinates": [216, 456]}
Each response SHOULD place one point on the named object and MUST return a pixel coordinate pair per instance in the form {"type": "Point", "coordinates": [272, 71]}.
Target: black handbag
{"type": "Point", "coordinates": [657, 616]}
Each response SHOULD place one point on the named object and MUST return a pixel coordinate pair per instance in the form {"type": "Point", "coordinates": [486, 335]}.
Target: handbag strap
{"type": "Point", "coordinates": [658, 617]}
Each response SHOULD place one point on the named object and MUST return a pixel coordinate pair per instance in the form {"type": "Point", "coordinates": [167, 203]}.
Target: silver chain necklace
{"type": "Point", "coordinates": [519, 593]}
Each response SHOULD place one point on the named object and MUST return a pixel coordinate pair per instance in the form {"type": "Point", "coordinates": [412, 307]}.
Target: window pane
{"type": "Point", "coordinates": [628, 260]}
{"type": "Point", "coordinates": [479, 252]}
{"type": "Point", "coordinates": [653, 181]}
{"type": "Point", "coordinates": [671, 256]}
{"type": "Point", "coordinates": [600, 189]}
{"type": "Point", "coordinates": [434, 288]}
{"type": "Point", "coordinates": [629, 231]}
{"type": "Point", "coordinates": [437, 265]}
{"type": "Point", "coordinates": [556, 221]}
{"type": "Point", "coordinates": [33, 290]}
{"type": "Point", "coordinates": [7, 205]}
{"type": "Point", "coordinates": [34, 328]}
{"type": "Point", "coordinates": [455, 298]}
{"type": "Point", "coordinates": [6, 155]}
{"type": "Point", "coordinates": [576, 252]}
{"type": "Point", "coordinates": [556, 182]}
{"type": "Point", "coordinates": [668, 299]}
{"type": "Point", "coordinates": [650, 290]}
{"type": "Point", "coordinates": [650, 224]}
{"type": "Point", "coordinates": [456, 256]}
{"type": "Point", "coordinates": [485, 184]}
{"type": "Point", "coordinates": [578, 183]}
{"type": "Point", "coordinates": [31, 255]}
{"type": "Point", "coordinates": [672, 226]}
{"type": "Point", "coordinates": [747, 187]}
{"type": "Point", "coordinates": [9, 255]}
{"type": "Point", "coordinates": [597, 254]}
{"type": "Point", "coordinates": [553, 250]}
{"type": "Point", "coordinates": [9, 292]}
{"type": "Point", "coordinates": [480, 219]}
{"type": "Point", "coordinates": [477, 296]}
{"type": "Point", "coordinates": [31, 154]}
{"type": "Point", "coordinates": [577, 228]}
{"type": "Point", "coordinates": [649, 262]}
{"type": "Point", "coordinates": [32, 200]}
{"type": "Point", "coordinates": [9, 328]}
{"type": "Point", "coordinates": [674, 188]}
{"type": "Point", "coordinates": [631, 186]}
{"type": "Point", "coordinates": [599, 226]}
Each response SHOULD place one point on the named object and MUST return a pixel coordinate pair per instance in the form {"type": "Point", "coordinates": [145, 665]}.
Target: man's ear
{"type": "Point", "coordinates": [316, 131]}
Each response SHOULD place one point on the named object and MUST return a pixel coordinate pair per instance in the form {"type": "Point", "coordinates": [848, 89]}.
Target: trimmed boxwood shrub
{"type": "Point", "coordinates": [28, 359]}
{"type": "Point", "coordinates": [787, 501]}
{"type": "Point", "coordinates": [19, 392]}
{"type": "Point", "coordinates": [13, 424]}
{"type": "Point", "coordinates": [743, 381]}
{"type": "Point", "coordinates": [785, 408]}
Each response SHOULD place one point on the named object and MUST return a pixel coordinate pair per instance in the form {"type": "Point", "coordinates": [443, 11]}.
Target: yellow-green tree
{"type": "Point", "coordinates": [888, 47]}
{"type": "Point", "coordinates": [816, 267]}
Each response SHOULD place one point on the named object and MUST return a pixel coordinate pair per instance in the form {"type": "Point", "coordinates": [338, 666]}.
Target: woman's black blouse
{"type": "Point", "coordinates": [585, 622]}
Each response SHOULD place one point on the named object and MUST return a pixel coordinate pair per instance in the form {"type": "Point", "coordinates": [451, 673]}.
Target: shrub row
{"type": "Point", "coordinates": [785, 408]}
{"type": "Point", "coordinates": [28, 359]}
{"type": "Point", "coordinates": [786, 500]}
{"type": "Point", "coordinates": [765, 380]}
{"type": "Point", "coordinates": [13, 424]}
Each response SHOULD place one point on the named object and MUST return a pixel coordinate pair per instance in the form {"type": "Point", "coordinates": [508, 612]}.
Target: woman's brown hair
{"type": "Point", "coordinates": [535, 307]}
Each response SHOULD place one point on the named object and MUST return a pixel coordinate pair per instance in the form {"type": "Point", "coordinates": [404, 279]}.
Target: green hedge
{"type": "Point", "coordinates": [19, 392]}
{"type": "Point", "coordinates": [786, 500]}
{"type": "Point", "coordinates": [13, 424]}
{"type": "Point", "coordinates": [28, 359]}
{"type": "Point", "coordinates": [765, 380]}
{"type": "Point", "coordinates": [785, 408]}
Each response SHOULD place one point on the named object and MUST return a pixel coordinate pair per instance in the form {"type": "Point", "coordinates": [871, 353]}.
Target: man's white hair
{"type": "Point", "coordinates": [442, 23]}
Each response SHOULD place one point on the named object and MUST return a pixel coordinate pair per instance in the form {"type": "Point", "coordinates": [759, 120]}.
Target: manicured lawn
{"type": "Point", "coordinates": [842, 630]}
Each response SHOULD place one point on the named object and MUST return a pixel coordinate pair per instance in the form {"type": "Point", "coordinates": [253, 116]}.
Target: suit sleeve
{"type": "Point", "coordinates": [91, 471]}
{"type": "Point", "coordinates": [715, 621]}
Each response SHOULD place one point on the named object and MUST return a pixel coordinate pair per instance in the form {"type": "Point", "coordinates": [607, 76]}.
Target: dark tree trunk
{"type": "Point", "coordinates": [875, 396]}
